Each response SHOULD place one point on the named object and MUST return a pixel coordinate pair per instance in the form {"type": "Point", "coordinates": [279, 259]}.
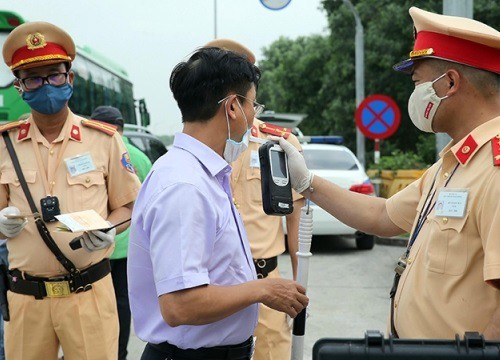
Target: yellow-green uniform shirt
{"type": "Point", "coordinates": [142, 165]}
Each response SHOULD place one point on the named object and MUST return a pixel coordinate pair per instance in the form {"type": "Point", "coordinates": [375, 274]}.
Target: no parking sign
{"type": "Point", "coordinates": [378, 117]}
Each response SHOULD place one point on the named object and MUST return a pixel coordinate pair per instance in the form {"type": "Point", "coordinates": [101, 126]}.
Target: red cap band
{"type": "Point", "coordinates": [51, 51]}
{"type": "Point", "coordinates": [459, 50]}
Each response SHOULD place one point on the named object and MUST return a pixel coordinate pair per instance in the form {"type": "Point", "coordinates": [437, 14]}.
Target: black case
{"type": "Point", "coordinates": [374, 347]}
{"type": "Point", "coordinates": [273, 201]}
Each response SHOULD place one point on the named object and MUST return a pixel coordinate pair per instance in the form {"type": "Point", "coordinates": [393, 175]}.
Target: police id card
{"type": "Point", "coordinates": [80, 164]}
{"type": "Point", "coordinates": [451, 202]}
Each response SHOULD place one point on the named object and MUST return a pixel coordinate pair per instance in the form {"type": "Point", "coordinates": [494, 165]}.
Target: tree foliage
{"type": "Point", "coordinates": [316, 74]}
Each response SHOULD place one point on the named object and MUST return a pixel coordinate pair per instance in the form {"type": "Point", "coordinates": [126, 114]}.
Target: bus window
{"type": "Point", "coordinates": [6, 76]}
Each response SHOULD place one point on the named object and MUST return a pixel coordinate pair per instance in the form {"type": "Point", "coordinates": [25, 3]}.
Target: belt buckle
{"type": "Point", "coordinates": [56, 289]}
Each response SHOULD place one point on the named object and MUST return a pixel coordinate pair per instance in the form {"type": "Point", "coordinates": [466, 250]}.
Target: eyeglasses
{"type": "Point", "coordinates": [35, 82]}
{"type": "Point", "coordinates": [258, 108]}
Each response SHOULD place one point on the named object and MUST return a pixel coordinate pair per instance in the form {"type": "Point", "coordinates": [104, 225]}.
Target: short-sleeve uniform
{"type": "Point", "coordinates": [443, 290]}
{"type": "Point", "coordinates": [109, 185]}
{"type": "Point", "coordinates": [266, 237]}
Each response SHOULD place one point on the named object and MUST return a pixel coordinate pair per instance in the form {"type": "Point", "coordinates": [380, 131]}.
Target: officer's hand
{"type": "Point", "coordinates": [97, 240]}
{"type": "Point", "coordinates": [11, 227]}
{"type": "Point", "coordinates": [300, 175]}
{"type": "Point", "coordinates": [284, 295]}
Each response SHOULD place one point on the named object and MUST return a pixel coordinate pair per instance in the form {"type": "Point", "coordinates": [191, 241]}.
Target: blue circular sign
{"type": "Point", "coordinates": [275, 4]}
{"type": "Point", "coordinates": [378, 117]}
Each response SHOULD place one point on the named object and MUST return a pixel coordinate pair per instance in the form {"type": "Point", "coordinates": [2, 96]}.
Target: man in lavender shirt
{"type": "Point", "coordinates": [192, 283]}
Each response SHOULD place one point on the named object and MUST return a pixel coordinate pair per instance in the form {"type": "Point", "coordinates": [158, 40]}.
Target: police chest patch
{"type": "Point", "coordinates": [126, 163]}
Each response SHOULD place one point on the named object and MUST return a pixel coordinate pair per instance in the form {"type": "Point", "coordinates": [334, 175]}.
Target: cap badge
{"type": "Point", "coordinates": [423, 52]}
{"type": "Point", "coordinates": [35, 41]}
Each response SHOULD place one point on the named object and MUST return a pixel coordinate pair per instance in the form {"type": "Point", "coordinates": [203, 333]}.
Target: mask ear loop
{"type": "Point", "coordinates": [439, 78]}
{"type": "Point", "coordinates": [227, 120]}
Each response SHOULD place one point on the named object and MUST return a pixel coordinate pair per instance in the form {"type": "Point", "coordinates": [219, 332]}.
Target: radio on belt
{"type": "Point", "coordinates": [275, 180]}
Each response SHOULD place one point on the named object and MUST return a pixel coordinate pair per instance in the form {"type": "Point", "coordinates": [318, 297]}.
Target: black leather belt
{"type": "Point", "coordinates": [243, 350]}
{"type": "Point", "coordinates": [265, 266]}
{"type": "Point", "coordinates": [22, 283]}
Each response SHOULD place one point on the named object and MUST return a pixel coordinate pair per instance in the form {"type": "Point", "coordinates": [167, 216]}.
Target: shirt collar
{"type": "Point", "coordinates": [214, 163]}
{"type": "Point", "coordinates": [71, 121]}
{"type": "Point", "coordinates": [465, 149]}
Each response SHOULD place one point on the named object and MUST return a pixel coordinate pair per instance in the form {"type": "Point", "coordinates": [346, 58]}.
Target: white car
{"type": "Point", "coordinates": [339, 165]}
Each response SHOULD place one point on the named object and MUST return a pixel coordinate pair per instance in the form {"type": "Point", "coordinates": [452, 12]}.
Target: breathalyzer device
{"type": "Point", "coordinates": [275, 180]}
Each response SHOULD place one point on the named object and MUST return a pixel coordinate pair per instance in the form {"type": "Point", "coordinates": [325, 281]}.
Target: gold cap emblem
{"type": "Point", "coordinates": [35, 41]}
{"type": "Point", "coordinates": [423, 52]}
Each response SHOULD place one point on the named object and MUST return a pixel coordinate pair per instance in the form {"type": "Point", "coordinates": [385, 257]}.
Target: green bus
{"type": "Point", "coordinates": [98, 81]}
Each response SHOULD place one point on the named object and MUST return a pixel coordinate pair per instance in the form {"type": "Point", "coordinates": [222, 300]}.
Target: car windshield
{"type": "Point", "coordinates": [329, 160]}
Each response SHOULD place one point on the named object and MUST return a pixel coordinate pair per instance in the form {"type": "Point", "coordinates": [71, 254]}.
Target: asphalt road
{"type": "Point", "coordinates": [348, 291]}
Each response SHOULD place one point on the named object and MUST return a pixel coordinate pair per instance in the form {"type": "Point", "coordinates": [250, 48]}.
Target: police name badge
{"type": "Point", "coordinates": [80, 164]}
{"type": "Point", "coordinates": [254, 159]}
{"type": "Point", "coordinates": [451, 202]}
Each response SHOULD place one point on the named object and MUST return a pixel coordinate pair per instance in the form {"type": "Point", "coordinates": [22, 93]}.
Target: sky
{"type": "Point", "coordinates": [149, 37]}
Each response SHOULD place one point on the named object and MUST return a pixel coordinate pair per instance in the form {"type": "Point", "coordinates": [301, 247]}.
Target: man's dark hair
{"type": "Point", "coordinates": [208, 76]}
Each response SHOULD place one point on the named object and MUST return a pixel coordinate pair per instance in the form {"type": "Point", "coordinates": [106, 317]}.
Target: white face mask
{"type": "Point", "coordinates": [423, 104]}
{"type": "Point", "coordinates": [234, 149]}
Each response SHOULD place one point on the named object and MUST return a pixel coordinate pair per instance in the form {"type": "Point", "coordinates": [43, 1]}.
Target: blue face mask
{"type": "Point", "coordinates": [48, 99]}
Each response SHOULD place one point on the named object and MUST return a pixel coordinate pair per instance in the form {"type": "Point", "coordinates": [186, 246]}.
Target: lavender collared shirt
{"type": "Point", "coordinates": [186, 232]}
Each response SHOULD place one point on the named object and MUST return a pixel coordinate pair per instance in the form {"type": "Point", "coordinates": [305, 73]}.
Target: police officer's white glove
{"type": "Point", "coordinates": [97, 240]}
{"type": "Point", "coordinates": [300, 175]}
{"type": "Point", "coordinates": [11, 227]}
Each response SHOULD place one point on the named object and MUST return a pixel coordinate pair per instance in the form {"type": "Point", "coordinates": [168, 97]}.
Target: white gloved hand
{"type": "Point", "coordinates": [97, 240]}
{"type": "Point", "coordinates": [11, 227]}
{"type": "Point", "coordinates": [300, 175]}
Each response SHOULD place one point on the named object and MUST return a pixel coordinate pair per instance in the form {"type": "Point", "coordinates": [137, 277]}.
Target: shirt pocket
{"type": "Point", "coordinates": [254, 185]}
{"type": "Point", "coordinates": [85, 190]}
{"type": "Point", "coordinates": [11, 178]}
{"type": "Point", "coordinates": [446, 250]}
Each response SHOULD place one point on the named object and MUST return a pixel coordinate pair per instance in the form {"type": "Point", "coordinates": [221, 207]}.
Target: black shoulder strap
{"type": "Point", "coordinates": [42, 229]}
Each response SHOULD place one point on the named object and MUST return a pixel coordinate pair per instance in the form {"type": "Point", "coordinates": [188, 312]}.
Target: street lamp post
{"type": "Point", "coordinates": [360, 77]}
{"type": "Point", "coordinates": [215, 19]}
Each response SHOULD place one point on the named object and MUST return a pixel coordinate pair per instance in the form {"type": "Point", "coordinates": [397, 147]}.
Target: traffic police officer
{"type": "Point", "coordinates": [265, 233]}
{"type": "Point", "coordinates": [80, 164]}
{"type": "Point", "coordinates": [448, 279]}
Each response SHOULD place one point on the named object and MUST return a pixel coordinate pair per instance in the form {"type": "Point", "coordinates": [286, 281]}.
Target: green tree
{"type": "Point", "coordinates": [316, 75]}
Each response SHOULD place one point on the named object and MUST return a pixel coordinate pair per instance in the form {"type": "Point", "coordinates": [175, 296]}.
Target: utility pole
{"type": "Point", "coordinates": [215, 19]}
{"type": "Point", "coordinates": [360, 77]}
{"type": "Point", "coordinates": [463, 8]}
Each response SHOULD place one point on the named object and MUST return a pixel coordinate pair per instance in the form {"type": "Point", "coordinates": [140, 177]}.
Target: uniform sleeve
{"type": "Point", "coordinates": [122, 182]}
{"type": "Point", "coordinates": [181, 238]}
{"type": "Point", "coordinates": [141, 163]}
{"type": "Point", "coordinates": [402, 206]}
{"type": "Point", "coordinates": [489, 227]}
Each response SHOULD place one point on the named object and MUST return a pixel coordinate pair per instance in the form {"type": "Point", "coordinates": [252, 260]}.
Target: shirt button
{"type": "Point", "coordinates": [446, 175]}
{"type": "Point", "coordinates": [87, 180]}
{"type": "Point", "coordinates": [395, 305]}
{"type": "Point", "coordinates": [53, 183]}
{"type": "Point", "coordinates": [409, 260]}
{"type": "Point", "coordinates": [445, 220]}
{"type": "Point", "coordinates": [51, 152]}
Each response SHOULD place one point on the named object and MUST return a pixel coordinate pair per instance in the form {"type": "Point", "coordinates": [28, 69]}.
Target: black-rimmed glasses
{"type": "Point", "coordinates": [35, 82]}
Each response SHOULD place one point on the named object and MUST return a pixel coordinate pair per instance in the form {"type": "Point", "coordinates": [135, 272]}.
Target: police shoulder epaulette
{"type": "Point", "coordinates": [100, 125]}
{"type": "Point", "coordinates": [495, 144]}
{"type": "Point", "coordinates": [275, 130]}
{"type": "Point", "coordinates": [12, 125]}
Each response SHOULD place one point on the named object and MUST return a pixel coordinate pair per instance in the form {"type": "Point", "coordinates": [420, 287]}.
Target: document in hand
{"type": "Point", "coordinates": [81, 221]}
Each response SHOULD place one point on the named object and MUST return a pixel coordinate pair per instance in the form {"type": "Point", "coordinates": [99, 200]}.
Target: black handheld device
{"type": "Point", "coordinates": [50, 208]}
{"type": "Point", "coordinates": [275, 180]}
